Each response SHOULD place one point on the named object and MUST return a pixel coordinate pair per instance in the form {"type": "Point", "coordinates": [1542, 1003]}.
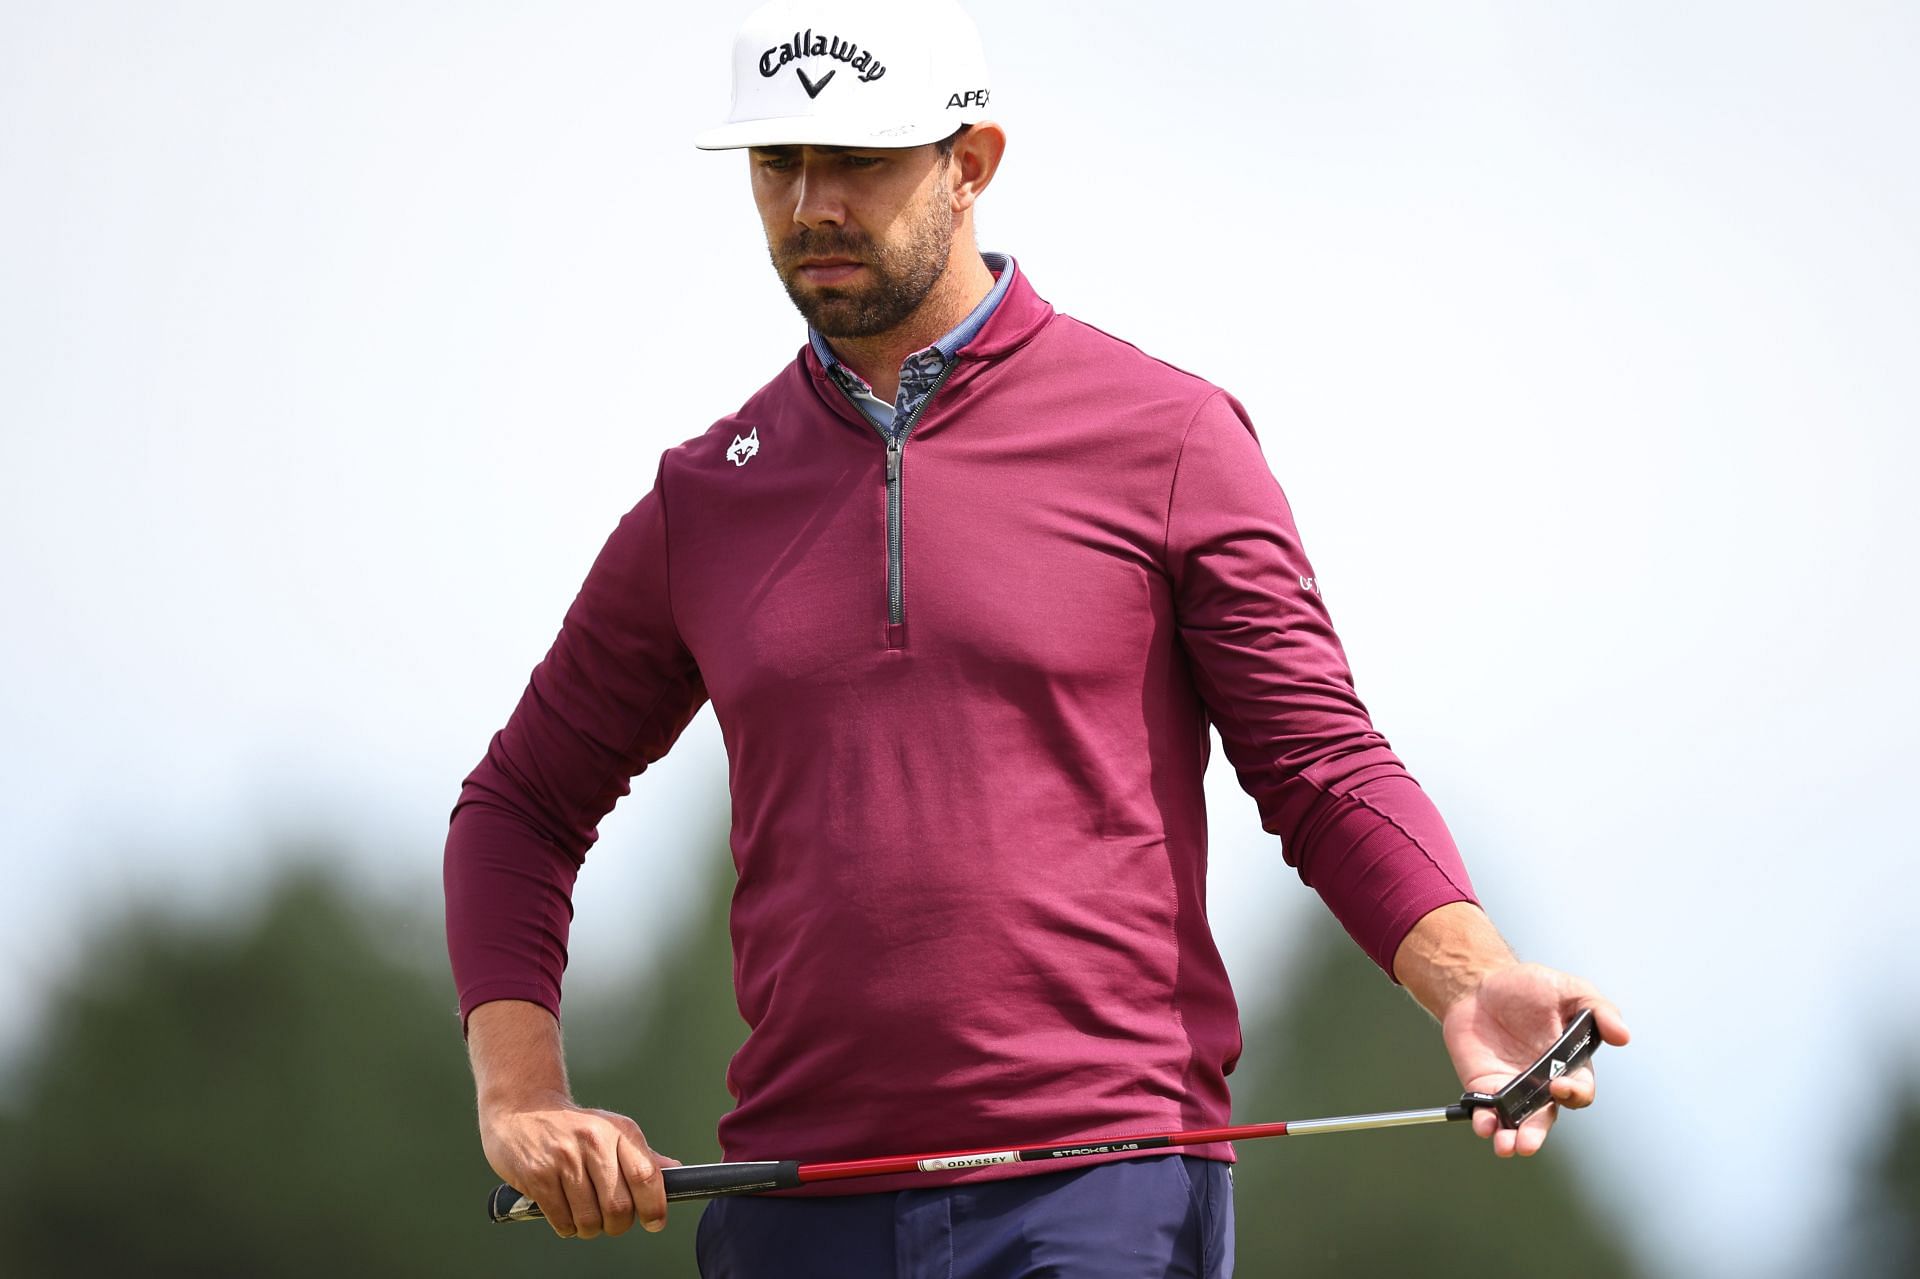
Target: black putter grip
{"type": "Point", "coordinates": [693, 1181]}
{"type": "Point", "coordinates": [1527, 1091]}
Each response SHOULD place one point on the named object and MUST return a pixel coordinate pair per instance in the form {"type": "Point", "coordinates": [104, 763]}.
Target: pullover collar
{"type": "Point", "coordinates": [1006, 320]}
{"type": "Point", "coordinates": [919, 372]}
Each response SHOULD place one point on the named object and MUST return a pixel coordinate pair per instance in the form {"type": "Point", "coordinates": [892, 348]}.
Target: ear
{"type": "Point", "coordinates": [976, 158]}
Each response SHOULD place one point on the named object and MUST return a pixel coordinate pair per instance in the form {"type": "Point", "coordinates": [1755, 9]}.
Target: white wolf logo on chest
{"type": "Point", "coordinates": [740, 451]}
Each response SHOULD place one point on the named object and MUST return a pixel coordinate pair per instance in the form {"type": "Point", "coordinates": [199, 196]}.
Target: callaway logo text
{"type": "Point", "coordinates": [808, 45]}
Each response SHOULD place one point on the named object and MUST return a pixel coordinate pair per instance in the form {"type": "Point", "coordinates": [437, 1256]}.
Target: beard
{"type": "Point", "coordinates": [899, 275]}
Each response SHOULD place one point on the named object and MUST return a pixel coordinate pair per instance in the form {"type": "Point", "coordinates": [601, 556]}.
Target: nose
{"type": "Point", "coordinates": [818, 201]}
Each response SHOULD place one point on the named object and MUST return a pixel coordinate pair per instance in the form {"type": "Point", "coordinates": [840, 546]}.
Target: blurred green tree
{"type": "Point", "coordinates": [291, 1097]}
{"type": "Point", "coordinates": [1427, 1201]}
{"type": "Point", "coordinates": [1882, 1240]}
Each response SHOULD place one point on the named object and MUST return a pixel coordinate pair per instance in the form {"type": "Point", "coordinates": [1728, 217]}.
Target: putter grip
{"type": "Point", "coordinates": [692, 1181]}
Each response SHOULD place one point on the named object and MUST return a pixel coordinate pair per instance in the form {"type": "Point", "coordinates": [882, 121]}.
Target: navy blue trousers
{"type": "Point", "coordinates": [1163, 1217]}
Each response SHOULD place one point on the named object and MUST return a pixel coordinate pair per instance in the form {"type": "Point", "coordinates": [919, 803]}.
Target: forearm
{"type": "Point", "coordinates": [1446, 956]}
{"type": "Point", "coordinates": [516, 1054]}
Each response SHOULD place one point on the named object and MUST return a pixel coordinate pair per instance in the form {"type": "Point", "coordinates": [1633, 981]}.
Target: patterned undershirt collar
{"type": "Point", "coordinates": [920, 371]}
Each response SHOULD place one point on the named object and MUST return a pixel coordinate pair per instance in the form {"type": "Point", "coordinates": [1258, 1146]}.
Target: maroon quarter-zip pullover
{"type": "Point", "coordinates": [968, 820]}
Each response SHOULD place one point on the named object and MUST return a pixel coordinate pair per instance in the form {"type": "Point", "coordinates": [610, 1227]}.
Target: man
{"type": "Point", "coordinates": [966, 584]}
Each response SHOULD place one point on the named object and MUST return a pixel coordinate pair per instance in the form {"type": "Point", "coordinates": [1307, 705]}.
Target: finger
{"type": "Point", "coordinates": [610, 1185]}
{"type": "Point", "coordinates": [647, 1188]}
{"type": "Point", "coordinates": [583, 1202]}
{"type": "Point", "coordinates": [1532, 1134]}
{"type": "Point", "coordinates": [1523, 1141]}
{"type": "Point", "coordinates": [1575, 1089]}
{"type": "Point", "coordinates": [1485, 1123]}
{"type": "Point", "coordinates": [640, 1166]}
{"type": "Point", "coordinates": [553, 1204]}
{"type": "Point", "coordinates": [1613, 1027]}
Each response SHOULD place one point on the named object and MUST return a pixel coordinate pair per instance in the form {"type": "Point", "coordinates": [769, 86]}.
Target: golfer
{"type": "Point", "coordinates": [967, 583]}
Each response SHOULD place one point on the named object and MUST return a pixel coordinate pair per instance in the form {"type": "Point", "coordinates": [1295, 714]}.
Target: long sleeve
{"type": "Point", "coordinates": [1265, 658]}
{"type": "Point", "coordinates": [611, 697]}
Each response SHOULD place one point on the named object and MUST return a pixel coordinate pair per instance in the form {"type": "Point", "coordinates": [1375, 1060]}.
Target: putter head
{"type": "Point", "coordinates": [1527, 1091]}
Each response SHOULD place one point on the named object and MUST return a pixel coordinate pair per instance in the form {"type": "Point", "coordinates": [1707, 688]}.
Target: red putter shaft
{"type": "Point", "coordinates": [954, 1160]}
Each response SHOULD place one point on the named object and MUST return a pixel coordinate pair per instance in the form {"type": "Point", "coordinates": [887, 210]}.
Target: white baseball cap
{"type": "Point", "coordinates": [853, 73]}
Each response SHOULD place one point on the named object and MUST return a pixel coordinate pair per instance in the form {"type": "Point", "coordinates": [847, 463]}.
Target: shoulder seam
{"type": "Point", "coordinates": [1173, 482]}
{"type": "Point", "coordinates": [1143, 354]}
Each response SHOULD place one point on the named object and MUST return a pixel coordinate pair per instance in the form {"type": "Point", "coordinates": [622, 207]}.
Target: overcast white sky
{"type": "Point", "coordinates": [334, 338]}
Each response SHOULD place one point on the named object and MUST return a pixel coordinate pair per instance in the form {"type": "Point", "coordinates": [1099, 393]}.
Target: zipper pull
{"type": "Point", "coordinates": [893, 462]}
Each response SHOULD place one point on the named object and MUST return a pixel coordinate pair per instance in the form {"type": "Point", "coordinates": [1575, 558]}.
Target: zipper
{"type": "Point", "coordinates": [896, 446]}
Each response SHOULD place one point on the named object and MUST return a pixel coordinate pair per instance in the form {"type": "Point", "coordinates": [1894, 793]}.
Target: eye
{"type": "Point", "coordinates": [865, 161]}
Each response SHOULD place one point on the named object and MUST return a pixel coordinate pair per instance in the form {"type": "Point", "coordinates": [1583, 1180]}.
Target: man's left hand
{"type": "Point", "coordinates": [1502, 1026]}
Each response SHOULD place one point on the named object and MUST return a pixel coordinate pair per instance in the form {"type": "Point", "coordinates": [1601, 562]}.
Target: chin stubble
{"type": "Point", "coordinates": [901, 279]}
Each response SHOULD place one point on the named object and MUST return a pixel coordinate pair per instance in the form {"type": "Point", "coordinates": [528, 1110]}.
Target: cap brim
{"type": "Point", "coordinates": [819, 131]}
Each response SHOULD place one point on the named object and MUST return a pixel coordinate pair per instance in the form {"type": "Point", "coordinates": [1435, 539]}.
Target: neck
{"type": "Point", "coordinates": [960, 288]}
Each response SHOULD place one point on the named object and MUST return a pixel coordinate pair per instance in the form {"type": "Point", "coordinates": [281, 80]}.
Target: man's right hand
{"type": "Point", "coordinates": [591, 1171]}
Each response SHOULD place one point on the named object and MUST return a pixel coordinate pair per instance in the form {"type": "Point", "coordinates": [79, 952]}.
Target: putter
{"type": "Point", "coordinates": [1518, 1098]}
